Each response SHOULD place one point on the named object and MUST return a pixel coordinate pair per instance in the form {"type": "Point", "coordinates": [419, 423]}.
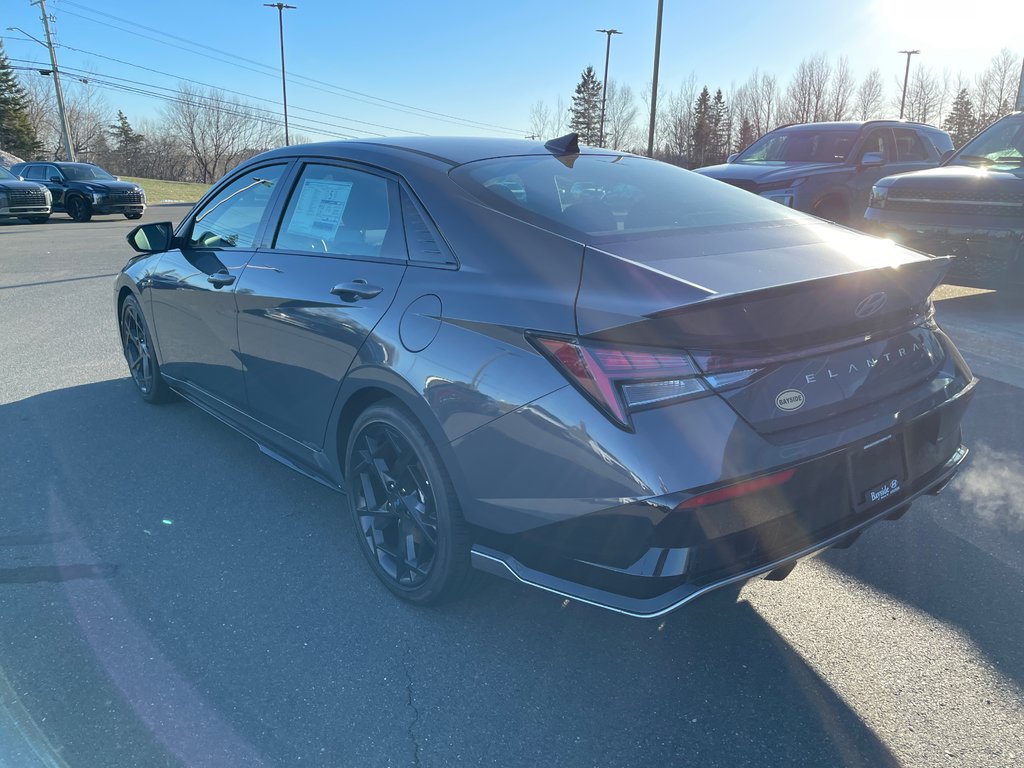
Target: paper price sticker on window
{"type": "Point", "coordinates": [320, 208]}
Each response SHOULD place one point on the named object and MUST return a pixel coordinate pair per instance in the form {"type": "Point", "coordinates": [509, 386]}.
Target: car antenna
{"type": "Point", "coordinates": [564, 145]}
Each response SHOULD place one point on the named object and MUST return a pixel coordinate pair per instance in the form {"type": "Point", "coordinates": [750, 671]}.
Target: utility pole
{"type": "Point", "coordinates": [654, 83]}
{"type": "Point", "coordinates": [906, 76]}
{"type": "Point", "coordinates": [604, 90]}
{"type": "Point", "coordinates": [69, 150]}
{"type": "Point", "coordinates": [281, 7]}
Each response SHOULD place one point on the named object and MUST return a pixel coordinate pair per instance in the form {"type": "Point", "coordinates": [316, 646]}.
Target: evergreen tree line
{"type": "Point", "coordinates": [701, 127]}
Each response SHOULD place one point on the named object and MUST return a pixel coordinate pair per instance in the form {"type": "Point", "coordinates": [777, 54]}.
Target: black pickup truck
{"type": "Point", "coordinates": [972, 207]}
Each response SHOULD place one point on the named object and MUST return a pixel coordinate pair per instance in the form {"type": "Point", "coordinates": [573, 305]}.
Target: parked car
{"type": "Point", "coordinates": [828, 169]}
{"type": "Point", "coordinates": [626, 407]}
{"type": "Point", "coordinates": [83, 190]}
{"type": "Point", "coordinates": [21, 199]}
{"type": "Point", "coordinates": [972, 207]}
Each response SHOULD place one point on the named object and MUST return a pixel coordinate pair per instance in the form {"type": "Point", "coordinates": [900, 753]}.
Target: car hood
{"type": "Point", "coordinates": [107, 186]}
{"type": "Point", "coordinates": [764, 173]}
{"type": "Point", "coordinates": [960, 178]}
{"type": "Point", "coordinates": [774, 281]}
{"type": "Point", "coordinates": [10, 186]}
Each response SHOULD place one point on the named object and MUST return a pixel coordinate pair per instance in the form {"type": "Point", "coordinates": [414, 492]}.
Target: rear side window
{"type": "Point", "coordinates": [340, 211]}
{"type": "Point", "coordinates": [909, 146]}
{"type": "Point", "coordinates": [611, 195]}
{"type": "Point", "coordinates": [231, 218]}
{"type": "Point", "coordinates": [33, 172]}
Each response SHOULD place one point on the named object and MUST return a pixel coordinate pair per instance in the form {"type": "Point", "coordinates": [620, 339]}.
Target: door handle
{"type": "Point", "coordinates": [356, 290]}
{"type": "Point", "coordinates": [220, 279]}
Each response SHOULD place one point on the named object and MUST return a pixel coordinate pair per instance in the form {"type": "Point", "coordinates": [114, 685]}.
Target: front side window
{"type": "Point", "coordinates": [342, 212]}
{"type": "Point", "coordinates": [879, 140]}
{"type": "Point", "coordinates": [231, 218]}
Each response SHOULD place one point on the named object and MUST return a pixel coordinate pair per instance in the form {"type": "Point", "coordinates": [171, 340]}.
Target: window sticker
{"type": "Point", "coordinates": [320, 207]}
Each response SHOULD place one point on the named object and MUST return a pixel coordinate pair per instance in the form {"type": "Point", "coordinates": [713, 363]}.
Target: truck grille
{"type": "Point", "coordinates": [958, 202]}
{"type": "Point", "coordinates": [131, 198]}
{"type": "Point", "coordinates": [25, 197]}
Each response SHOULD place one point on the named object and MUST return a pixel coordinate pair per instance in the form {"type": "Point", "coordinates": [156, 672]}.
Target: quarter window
{"type": "Point", "coordinates": [909, 146]}
{"type": "Point", "coordinates": [232, 217]}
{"type": "Point", "coordinates": [343, 212]}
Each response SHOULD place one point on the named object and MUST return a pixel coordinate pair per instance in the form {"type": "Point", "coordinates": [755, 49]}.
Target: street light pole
{"type": "Point", "coordinates": [604, 90]}
{"type": "Point", "coordinates": [281, 7]}
{"type": "Point", "coordinates": [69, 150]}
{"type": "Point", "coordinates": [906, 76]}
{"type": "Point", "coordinates": [654, 83]}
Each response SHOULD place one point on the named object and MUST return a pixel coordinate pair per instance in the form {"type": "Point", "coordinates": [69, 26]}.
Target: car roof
{"type": "Point", "coordinates": [451, 150]}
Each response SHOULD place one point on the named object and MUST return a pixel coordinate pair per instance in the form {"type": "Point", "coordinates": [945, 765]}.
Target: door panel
{"type": "Point", "coordinates": [195, 318]}
{"type": "Point", "coordinates": [297, 339]}
{"type": "Point", "coordinates": [307, 304]}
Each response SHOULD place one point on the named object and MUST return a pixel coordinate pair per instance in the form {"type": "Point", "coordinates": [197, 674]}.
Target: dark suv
{"type": "Point", "coordinates": [23, 199]}
{"type": "Point", "coordinates": [972, 207]}
{"type": "Point", "coordinates": [828, 169]}
{"type": "Point", "coordinates": [83, 189]}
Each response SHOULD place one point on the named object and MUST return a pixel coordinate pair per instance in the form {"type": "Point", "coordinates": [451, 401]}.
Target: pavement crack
{"type": "Point", "coordinates": [416, 748]}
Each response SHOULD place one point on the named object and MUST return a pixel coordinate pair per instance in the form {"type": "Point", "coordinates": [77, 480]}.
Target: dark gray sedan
{"type": "Point", "coordinates": [598, 374]}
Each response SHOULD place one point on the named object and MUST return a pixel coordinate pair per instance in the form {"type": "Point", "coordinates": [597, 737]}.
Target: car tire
{"type": "Point", "coordinates": [137, 346]}
{"type": "Point", "coordinates": [79, 209]}
{"type": "Point", "coordinates": [407, 517]}
{"type": "Point", "coordinates": [133, 215]}
{"type": "Point", "coordinates": [38, 219]}
{"type": "Point", "coordinates": [834, 210]}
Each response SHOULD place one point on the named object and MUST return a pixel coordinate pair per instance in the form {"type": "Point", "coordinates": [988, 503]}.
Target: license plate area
{"type": "Point", "coordinates": [878, 472]}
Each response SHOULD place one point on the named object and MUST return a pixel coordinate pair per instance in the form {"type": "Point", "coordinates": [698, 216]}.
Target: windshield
{"type": "Point", "coordinates": [602, 195]}
{"type": "Point", "coordinates": [1000, 144]}
{"type": "Point", "coordinates": [85, 173]}
{"type": "Point", "coordinates": [800, 146]}
{"type": "Point", "coordinates": [7, 175]}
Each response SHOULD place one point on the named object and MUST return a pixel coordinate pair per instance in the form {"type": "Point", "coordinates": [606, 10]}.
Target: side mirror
{"type": "Point", "coordinates": [56, 180]}
{"type": "Point", "coordinates": [946, 155]}
{"type": "Point", "coordinates": [152, 238]}
{"type": "Point", "coordinates": [872, 160]}
{"type": "Point", "coordinates": [732, 157]}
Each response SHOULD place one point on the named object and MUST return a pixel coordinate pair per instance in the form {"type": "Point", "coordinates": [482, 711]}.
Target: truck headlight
{"type": "Point", "coordinates": [783, 196]}
{"type": "Point", "coordinates": [878, 197]}
{"type": "Point", "coordinates": [3, 200]}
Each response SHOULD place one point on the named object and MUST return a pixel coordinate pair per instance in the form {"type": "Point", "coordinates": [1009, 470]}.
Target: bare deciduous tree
{"type": "Point", "coordinates": [870, 97]}
{"type": "Point", "coordinates": [540, 120]}
{"type": "Point", "coordinates": [620, 129]}
{"type": "Point", "coordinates": [841, 94]}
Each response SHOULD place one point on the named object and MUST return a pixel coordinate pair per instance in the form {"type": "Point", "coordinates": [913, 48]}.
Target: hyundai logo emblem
{"type": "Point", "coordinates": [871, 305]}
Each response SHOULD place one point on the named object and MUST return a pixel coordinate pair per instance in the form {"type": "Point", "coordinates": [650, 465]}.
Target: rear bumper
{"type": "Point", "coordinates": [504, 565]}
{"type": "Point", "coordinates": [678, 554]}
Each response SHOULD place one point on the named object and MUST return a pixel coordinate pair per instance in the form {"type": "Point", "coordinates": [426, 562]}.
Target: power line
{"type": "Point", "coordinates": [268, 71]}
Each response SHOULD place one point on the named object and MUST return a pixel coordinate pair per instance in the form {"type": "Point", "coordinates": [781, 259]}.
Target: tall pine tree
{"type": "Point", "coordinates": [720, 129]}
{"type": "Point", "coordinates": [746, 136]}
{"type": "Point", "coordinates": [127, 144]}
{"type": "Point", "coordinates": [586, 108]}
{"type": "Point", "coordinates": [17, 134]}
{"type": "Point", "coordinates": [703, 130]}
{"type": "Point", "coordinates": [961, 122]}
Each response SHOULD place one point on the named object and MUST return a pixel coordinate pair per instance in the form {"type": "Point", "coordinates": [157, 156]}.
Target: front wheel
{"type": "Point", "coordinates": [138, 353]}
{"type": "Point", "coordinates": [405, 510]}
{"type": "Point", "coordinates": [79, 209]}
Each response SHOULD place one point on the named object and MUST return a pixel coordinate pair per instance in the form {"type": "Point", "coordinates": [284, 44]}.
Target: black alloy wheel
{"type": "Point", "coordinates": [138, 353]}
{"type": "Point", "coordinates": [405, 510]}
{"type": "Point", "coordinates": [79, 209]}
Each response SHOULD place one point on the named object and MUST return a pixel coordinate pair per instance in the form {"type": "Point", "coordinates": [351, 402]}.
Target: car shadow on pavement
{"type": "Point", "coordinates": [229, 619]}
{"type": "Point", "coordinates": [960, 556]}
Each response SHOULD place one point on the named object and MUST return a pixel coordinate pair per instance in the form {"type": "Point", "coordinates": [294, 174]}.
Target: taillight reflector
{"type": "Point", "coordinates": [736, 490]}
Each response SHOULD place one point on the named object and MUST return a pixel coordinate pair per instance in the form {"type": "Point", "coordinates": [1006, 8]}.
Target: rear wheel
{"type": "Point", "coordinates": [138, 353]}
{"type": "Point", "coordinates": [405, 510]}
{"type": "Point", "coordinates": [78, 208]}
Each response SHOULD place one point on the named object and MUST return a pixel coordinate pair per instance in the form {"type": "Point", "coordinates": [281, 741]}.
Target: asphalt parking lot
{"type": "Point", "coordinates": [169, 596]}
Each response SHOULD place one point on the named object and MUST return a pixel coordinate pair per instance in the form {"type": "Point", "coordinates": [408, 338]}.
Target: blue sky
{"type": "Point", "coordinates": [485, 63]}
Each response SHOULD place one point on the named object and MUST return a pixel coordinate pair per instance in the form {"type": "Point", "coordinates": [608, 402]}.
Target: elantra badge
{"type": "Point", "coordinates": [871, 305]}
{"type": "Point", "coordinates": [790, 400]}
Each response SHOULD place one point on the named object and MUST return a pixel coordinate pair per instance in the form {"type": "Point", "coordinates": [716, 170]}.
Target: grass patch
{"type": "Point", "coordinates": [158, 191]}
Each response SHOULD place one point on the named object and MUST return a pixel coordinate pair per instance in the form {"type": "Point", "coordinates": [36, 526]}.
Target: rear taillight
{"type": "Point", "coordinates": [620, 379]}
{"type": "Point", "coordinates": [736, 490]}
